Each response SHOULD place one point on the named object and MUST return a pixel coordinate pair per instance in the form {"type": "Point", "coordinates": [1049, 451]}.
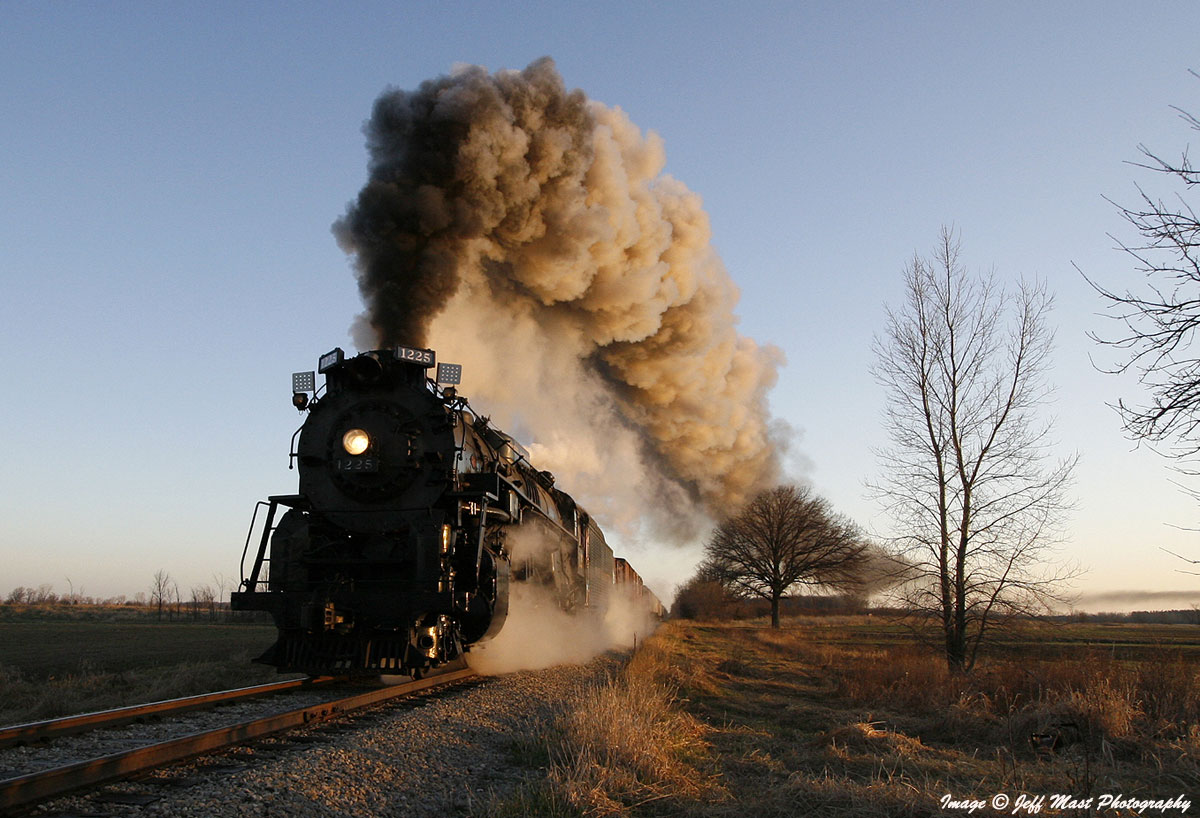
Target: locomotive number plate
{"type": "Point", "coordinates": [416, 356]}
{"type": "Point", "coordinates": [356, 464]}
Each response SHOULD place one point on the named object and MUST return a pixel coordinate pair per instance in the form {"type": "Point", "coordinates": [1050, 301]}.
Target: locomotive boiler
{"type": "Point", "coordinates": [396, 554]}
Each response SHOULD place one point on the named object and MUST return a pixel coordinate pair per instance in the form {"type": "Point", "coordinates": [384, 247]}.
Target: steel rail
{"type": "Point", "coordinates": [69, 725]}
{"type": "Point", "coordinates": [28, 789]}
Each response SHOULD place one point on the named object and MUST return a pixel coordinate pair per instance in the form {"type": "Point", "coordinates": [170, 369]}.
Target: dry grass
{"type": "Point", "coordinates": [724, 720]}
{"type": "Point", "coordinates": [1107, 699]}
{"type": "Point", "coordinates": [623, 747]}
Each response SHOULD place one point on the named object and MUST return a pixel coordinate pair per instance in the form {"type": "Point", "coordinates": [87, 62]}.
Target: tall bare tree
{"type": "Point", "coordinates": [965, 478]}
{"type": "Point", "coordinates": [223, 584]}
{"type": "Point", "coordinates": [160, 590]}
{"type": "Point", "coordinates": [1159, 322]}
{"type": "Point", "coordinates": [784, 537]}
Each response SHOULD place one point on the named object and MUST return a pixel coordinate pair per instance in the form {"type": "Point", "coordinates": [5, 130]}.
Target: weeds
{"type": "Point", "coordinates": [623, 747]}
{"type": "Point", "coordinates": [722, 721]}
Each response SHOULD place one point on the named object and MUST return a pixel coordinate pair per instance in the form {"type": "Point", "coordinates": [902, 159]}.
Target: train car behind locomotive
{"type": "Point", "coordinates": [396, 553]}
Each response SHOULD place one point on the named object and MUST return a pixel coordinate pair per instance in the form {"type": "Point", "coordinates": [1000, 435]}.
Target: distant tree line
{"type": "Point", "coordinates": [706, 600]}
{"type": "Point", "coordinates": [1188, 616]}
{"type": "Point", "coordinates": [164, 597]}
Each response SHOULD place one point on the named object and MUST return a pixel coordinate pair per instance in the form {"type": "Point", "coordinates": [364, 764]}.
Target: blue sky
{"type": "Point", "coordinates": [169, 174]}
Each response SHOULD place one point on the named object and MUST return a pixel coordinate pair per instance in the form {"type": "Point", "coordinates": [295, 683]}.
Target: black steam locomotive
{"type": "Point", "coordinates": [395, 555]}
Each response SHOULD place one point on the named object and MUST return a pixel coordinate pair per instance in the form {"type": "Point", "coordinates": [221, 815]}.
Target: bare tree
{"type": "Point", "coordinates": [44, 595]}
{"type": "Point", "coordinates": [1159, 322]}
{"type": "Point", "coordinates": [73, 596]}
{"type": "Point", "coordinates": [964, 478]}
{"type": "Point", "coordinates": [160, 590]}
{"type": "Point", "coordinates": [784, 537]}
{"type": "Point", "coordinates": [223, 584]}
{"type": "Point", "coordinates": [203, 597]}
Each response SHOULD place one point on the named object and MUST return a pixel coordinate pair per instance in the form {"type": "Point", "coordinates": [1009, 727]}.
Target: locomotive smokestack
{"type": "Point", "coordinates": [531, 233]}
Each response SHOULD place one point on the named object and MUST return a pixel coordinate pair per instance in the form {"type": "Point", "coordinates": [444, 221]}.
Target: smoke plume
{"type": "Point", "coordinates": [531, 234]}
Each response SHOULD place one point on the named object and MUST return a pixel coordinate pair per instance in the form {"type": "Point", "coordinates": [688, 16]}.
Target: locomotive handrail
{"type": "Point", "coordinates": [246, 547]}
{"type": "Point", "coordinates": [252, 583]}
{"type": "Point", "coordinates": [274, 501]}
{"type": "Point", "coordinates": [292, 453]}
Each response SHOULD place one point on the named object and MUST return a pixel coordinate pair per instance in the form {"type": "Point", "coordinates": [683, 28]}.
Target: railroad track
{"type": "Point", "coordinates": [73, 725]}
{"type": "Point", "coordinates": [26, 790]}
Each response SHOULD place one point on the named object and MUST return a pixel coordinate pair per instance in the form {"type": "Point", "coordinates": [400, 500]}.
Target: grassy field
{"type": "Point", "coordinates": [1050, 640]}
{"type": "Point", "coordinates": [52, 666]}
{"type": "Point", "coordinates": [853, 718]}
{"type": "Point", "coordinates": [43, 650]}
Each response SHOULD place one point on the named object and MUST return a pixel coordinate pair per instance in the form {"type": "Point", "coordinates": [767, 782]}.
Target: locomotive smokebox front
{"type": "Point", "coordinates": [374, 446]}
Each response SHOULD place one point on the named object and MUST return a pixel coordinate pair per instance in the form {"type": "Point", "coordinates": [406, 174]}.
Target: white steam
{"type": "Point", "coordinates": [539, 634]}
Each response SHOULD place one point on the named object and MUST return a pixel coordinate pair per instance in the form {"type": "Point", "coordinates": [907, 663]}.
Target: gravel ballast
{"type": "Point", "coordinates": [441, 753]}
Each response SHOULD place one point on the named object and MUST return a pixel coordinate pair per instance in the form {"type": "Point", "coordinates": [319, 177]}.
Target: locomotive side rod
{"type": "Point", "coordinates": [23, 791]}
{"type": "Point", "coordinates": [479, 545]}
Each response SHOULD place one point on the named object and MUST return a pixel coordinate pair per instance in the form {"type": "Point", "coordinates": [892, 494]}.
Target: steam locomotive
{"type": "Point", "coordinates": [398, 552]}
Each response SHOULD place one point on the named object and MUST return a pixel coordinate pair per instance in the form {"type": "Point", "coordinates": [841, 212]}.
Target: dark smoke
{"type": "Point", "coordinates": [530, 233]}
{"type": "Point", "coordinates": [462, 158]}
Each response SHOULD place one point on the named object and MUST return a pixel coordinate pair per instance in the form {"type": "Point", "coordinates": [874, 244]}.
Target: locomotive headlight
{"type": "Point", "coordinates": [355, 441]}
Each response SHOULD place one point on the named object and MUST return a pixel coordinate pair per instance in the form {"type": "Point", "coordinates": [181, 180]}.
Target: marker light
{"type": "Point", "coordinates": [355, 441]}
